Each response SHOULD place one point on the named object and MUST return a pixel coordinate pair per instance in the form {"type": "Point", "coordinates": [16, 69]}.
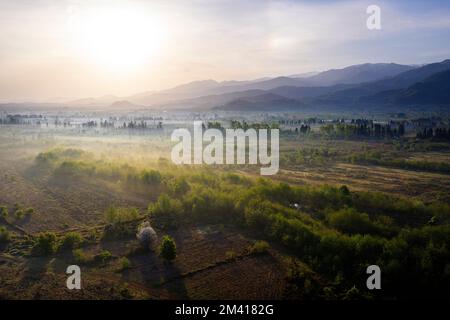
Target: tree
{"type": "Point", "coordinates": [71, 240]}
{"type": "Point", "coordinates": [5, 235]}
{"type": "Point", "coordinates": [3, 212]}
{"type": "Point", "coordinates": [80, 256]}
{"type": "Point", "coordinates": [344, 190]}
{"type": "Point", "coordinates": [124, 263]}
{"type": "Point", "coordinates": [146, 235]}
{"type": "Point", "coordinates": [29, 212]}
{"type": "Point", "coordinates": [103, 256]}
{"type": "Point", "coordinates": [19, 214]}
{"type": "Point", "coordinates": [45, 243]}
{"type": "Point", "coordinates": [348, 220]}
{"type": "Point", "coordinates": [168, 249]}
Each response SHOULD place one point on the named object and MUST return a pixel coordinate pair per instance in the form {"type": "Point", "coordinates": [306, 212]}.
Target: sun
{"type": "Point", "coordinates": [121, 38]}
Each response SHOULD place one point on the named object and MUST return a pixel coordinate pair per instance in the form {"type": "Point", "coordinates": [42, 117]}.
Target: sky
{"type": "Point", "coordinates": [57, 50]}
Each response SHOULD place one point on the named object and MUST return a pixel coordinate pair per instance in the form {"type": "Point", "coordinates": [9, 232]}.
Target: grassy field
{"type": "Point", "coordinates": [71, 182]}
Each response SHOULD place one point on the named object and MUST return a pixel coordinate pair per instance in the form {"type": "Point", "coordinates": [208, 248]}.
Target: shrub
{"type": "Point", "coordinates": [146, 235]}
{"type": "Point", "coordinates": [80, 256]}
{"type": "Point", "coordinates": [124, 263]}
{"type": "Point", "coordinates": [168, 249]}
{"type": "Point", "coordinates": [29, 212]}
{"type": "Point", "coordinates": [5, 235]}
{"type": "Point", "coordinates": [230, 255]}
{"type": "Point", "coordinates": [350, 221]}
{"type": "Point", "coordinates": [16, 207]}
{"type": "Point", "coordinates": [119, 215]}
{"type": "Point", "coordinates": [103, 256]}
{"type": "Point", "coordinates": [259, 246]}
{"type": "Point", "coordinates": [178, 186]}
{"type": "Point", "coordinates": [3, 212]}
{"type": "Point", "coordinates": [71, 240]}
{"type": "Point", "coordinates": [166, 208]}
{"type": "Point", "coordinates": [45, 244]}
{"type": "Point", "coordinates": [151, 177]}
{"type": "Point", "coordinates": [344, 190]}
{"type": "Point", "coordinates": [19, 213]}
{"type": "Point", "coordinates": [118, 231]}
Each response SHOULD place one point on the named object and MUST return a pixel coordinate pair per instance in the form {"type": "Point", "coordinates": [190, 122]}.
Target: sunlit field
{"type": "Point", "coordinates": [336, 206]}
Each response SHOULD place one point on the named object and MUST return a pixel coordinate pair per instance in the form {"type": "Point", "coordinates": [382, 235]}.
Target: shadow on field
{"type": "Point", "coordinates": [35, 269]}
{"type": "Point", "coordinates": [155, 274]}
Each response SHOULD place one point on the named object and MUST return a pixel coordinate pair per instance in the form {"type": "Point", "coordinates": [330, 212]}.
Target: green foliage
{"type": "Point", "coordinates": [337, 232]}
{"type": "Point", "coordinates": [353, 294]}
{"type": "Point", "coordinates": [19, 214]}
{"type": "Point", "coordinates": [259, 246]}
{"type": "Point", "coordinates": [348, 220]}
{"type": "Point", "coordinates": [4, 212]}
{"type": "Point", "coordinates": [119, 215]}
{"type": "Point", "coordinates": [120, 222]}
{"type": "Point", "coordinates": [45, 244]}
{"type": "Point", "coordinates": [80, 256]}
{"type": "Point", "coordinates": [379, 160]}
{"type": "Point", "coordinates": [103, 256]}
{"type": "Point", "coordinates": [71, 240]}
{"type": "Point", "coordinates": [336, 238]}
{"type": "Point", "coordinates": [124, 263]}
{"type": "Point", "coordinates": [230, 255]}
{"type": "Point", "coordinates": [5, 235]}
{"type": "Point", "coordinates": [178, 186]}
{"type": "Point", "coordinates": [299, 283]}
{"type": "Point", "coordinates": [344, 190]}
{"type": "Point", "coordinates": [151, 177]}
{"type": "Point", "coordinates": [166, 209]}
{"type": "Point", "coordinates": [29, 212]}
{"type": "Point", "coordinates": [168, 249]}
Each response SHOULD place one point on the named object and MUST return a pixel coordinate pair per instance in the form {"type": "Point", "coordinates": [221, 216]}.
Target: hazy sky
{"type": "Point", "coordinates": [53, 49]}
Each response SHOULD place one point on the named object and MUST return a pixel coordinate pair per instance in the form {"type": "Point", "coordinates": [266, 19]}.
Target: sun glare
{"type": "Point", "coordinates": [121, 39]}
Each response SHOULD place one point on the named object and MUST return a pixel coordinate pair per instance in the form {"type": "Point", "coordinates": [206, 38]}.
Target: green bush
{"type": "Point", "coordinates": [80, 256]}
{"type": "Point", "coordinates": [119, 215]}
{"type": "Point", "coordinates": [167, 209]}
{"type": "Point", "coordinates": [178, 186]}
{"type": "Point", "coordinates": [29, 212]}
{"type": "Point", "coordinates": [71, 240]}
{"type": "Point", "coordinates": [168, 249]}
{"type": "Point", "coordinates": [45, 244]}
{"type": "Point", "coordinates": [4, 212]}
{"type": "Point", "coordinates": [5, 235]}
{"type": "Point", "coordinates": [19, 214]}
{"type": "Point", "coordinates": [259, 246]}
{"type": "Point", "coordinates": [103, 256]}
{"type": "Point", "coordinates": [124, 263]}
{"type": "Point", "coordinates": [350, 221]}
{"type": "Point", "coordinates": [151, 177]}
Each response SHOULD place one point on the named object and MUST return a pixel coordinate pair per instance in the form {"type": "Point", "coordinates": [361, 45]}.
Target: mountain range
{"type": "Point", "coordinates": [364, 84]}
{"type": "Point", "coordinates": [369, 84]}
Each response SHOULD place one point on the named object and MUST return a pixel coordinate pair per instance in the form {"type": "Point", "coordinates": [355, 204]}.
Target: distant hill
{"type": "Point", "coordinates": [103, 100]}
{"type": "Point", "coordinates": [433, 90]}
{"type": "Point", "coordinates": [358, 73]}
{"type": "Point", "coordinates": [403, 80]}
{"type": "Point", "coordinates": [208, 102]}
{"type": "Point", "coordinates": [123, 104]}
{"type": "Point", "coordinates": [301, 93]}
{"type": "Point", "coordinates": [356, 85]}
{"type": "Point", "coordinates": [263, 102]}
{"type": "Point", "coordinates": [349, 75]}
